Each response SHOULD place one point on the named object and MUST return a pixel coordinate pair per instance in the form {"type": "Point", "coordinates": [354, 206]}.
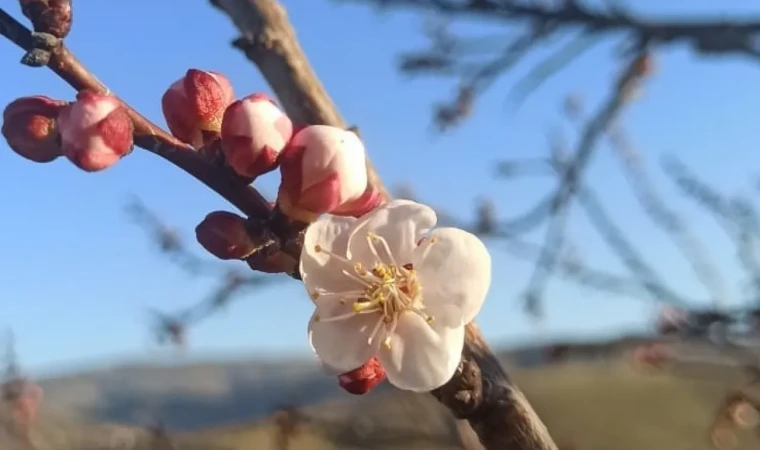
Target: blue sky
{"type": "Point", "coordinates": [76, 276]}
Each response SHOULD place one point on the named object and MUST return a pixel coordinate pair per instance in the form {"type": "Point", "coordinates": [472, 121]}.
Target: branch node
{"type": "Point", "coordinates": [45, 41]}
{"type": "Point", "coordinates": [463, 394]}
{"type": "Point", "coordinates": [36, 57]}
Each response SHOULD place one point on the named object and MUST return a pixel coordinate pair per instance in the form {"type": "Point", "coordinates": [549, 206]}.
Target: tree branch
{"type": "Point", "coordinates": [720, 36]}
{"type": "Point", "coordinates": [147, 135]}
{"type": "Point", "coordinates": [480, 391]}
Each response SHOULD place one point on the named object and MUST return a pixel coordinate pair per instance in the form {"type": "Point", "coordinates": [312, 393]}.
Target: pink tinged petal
{"type": "Point", "coordinates": [208, 94]}
{"type": "Point", "coordinates": [321, 198]}
{"type": "Point", "coordinates": [262, 122]}
{"type": "Point", "coordinates": [342, 344]}
{"type": "Point", "coordinates": [291, 170]}
{"type": "Point", "coordinates": [318, 270]}
{"type": "Point", "coordinates": [117, 130]}
{"type": "Point", "coordinates": [422, 356]}
{"type": "Point", "coordinates": [179, 117]}
{"type": "Point", "coordinates": [94, 146]}
{"type": "Point", "coordinates": [401, 223]}
{"type": "Point", "coordinates": [455, 274]}
{"type": "Point", "coordinates": [260, 96]}
{"type": "Point", "coordinates": [284, 127]}
{"type": "Point", "coordinates": [362, 205]}
{"type": "Point", "coordinates": [90, 154]}
{"type": "Point", "coordinates": [331, 150]}
{"type": "Point", "coordinates": [89, 109]}
{"type": "Point", "coordinates": [253, 135]}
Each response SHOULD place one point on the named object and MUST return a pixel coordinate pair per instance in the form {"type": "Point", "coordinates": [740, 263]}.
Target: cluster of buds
{"type": "Point", "coordinates": [323, 168]}
{"type": "Point", "coordinates": [93, 132]}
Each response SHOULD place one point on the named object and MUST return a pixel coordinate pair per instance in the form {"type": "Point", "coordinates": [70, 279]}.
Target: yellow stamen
{"type": "Point", "coordinates": [385, 291]}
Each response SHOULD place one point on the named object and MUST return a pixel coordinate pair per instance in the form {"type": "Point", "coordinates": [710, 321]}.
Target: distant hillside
{"type": "Point", "coordinates": [190, 395]}
{"type": "Point", "coordinates": [594, 402]}
{"type": "Point", "coordinates": [199, 395]}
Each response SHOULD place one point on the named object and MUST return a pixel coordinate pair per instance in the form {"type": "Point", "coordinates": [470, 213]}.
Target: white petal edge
{"type": "Point", "coordinates": [455, 275]}
{"type": "Point", "coordinates": [342, 345]}
{"type": "Point", "coordinates": [422, 356]}
{"type": "Point", "coordinates": [401, 223]}
{"type": "Point", "coordinates": [318, 270]}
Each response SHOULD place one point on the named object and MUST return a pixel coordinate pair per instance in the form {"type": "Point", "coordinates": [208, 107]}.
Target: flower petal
{"type": "Point", "coordinates": [342, 345]}
{"type": "Point", "coordinates": [401, 223]}
{"type": "Point", "coordinates": [318, 270]}
{"type": "Point", "coordinates": [422, 356]}
{"type": "Point", "coordinates": [454, 270]}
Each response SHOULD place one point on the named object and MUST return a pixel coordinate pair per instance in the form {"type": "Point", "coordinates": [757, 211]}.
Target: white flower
{"type": "Point", "coordinates": [385, 285]}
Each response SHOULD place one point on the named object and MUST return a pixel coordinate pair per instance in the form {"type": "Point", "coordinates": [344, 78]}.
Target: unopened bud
{"type": "Point", "coordinates": [194, 105]}
{"type": "Point", "coordinates": [224, 235]}
{"type": "Point", "coordinates": [30, 128]}
{"type": "Point", "coordinates": [53, 17]}
{"type": "Point", "coordinates": [324, 171]}
{"type": "Point", "coordinates": [96, 131]}
{"type": "Point", "coordinates": [254, 132]}
{"type": "Point", "coordinates": [363, 379]}
{"type": "Point", "coordinates": [275, 263]}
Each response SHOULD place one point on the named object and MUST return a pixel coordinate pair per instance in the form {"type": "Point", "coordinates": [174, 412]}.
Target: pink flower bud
{"type": "Point", "coordinates": [254, 132]}
{"type": "Point", "coordinates": [96, 131]}
{"type": "Point", "coordinates": [29, 127]}
{"type": "Point", "coordinates": [324, 171]}
{"type": "Point", "coordinates": [223, 234]}
{"type": "Point", "coordinates": [363, 379]}
{"type": "Point", "coordinates": [194, 105]}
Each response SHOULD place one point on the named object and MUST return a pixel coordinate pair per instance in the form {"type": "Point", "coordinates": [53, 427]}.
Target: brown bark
{"type": "Point", "coordinates": [480, 391]}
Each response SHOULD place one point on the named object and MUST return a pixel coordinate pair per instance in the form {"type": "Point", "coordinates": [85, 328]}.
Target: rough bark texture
{"type": "Point", "coordinates": [480, 392]}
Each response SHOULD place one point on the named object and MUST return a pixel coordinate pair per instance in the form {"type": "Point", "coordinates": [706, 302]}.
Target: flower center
{"type": "Point", "coordinates": [387, 290]}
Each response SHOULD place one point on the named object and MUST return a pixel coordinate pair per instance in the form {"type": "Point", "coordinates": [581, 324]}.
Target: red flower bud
{"type": "Point", "coordinates": [29, 127]}
{"type": "Point", "coordinates": [254, 132]}
{"type": "Point", "coordinates": [268, 264]}
{"type": "Point", "coordinates": [194, 105]}
{"type": "Point", "coordinates": [363, 379]}
{"type": "Point", "coordinates": [223, 234]}
{"type": "Point", "coordinates": [324, 171]}
{"type": "Point", "coordinates": [96, 131]}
